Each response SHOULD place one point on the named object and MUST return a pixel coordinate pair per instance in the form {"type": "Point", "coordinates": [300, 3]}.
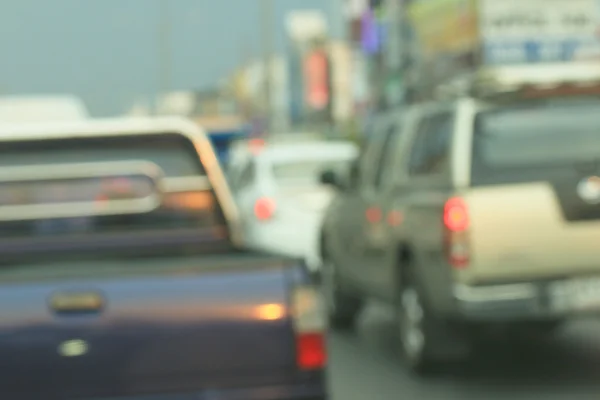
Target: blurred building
{"type": "Point", "coordinates": [42, 107]}
{"type": "Point", "coordinates": [384, 47]}
{"type": "Point", "coordinates": [140, 108]}
{"type": "Point", "coordinates": [309, 67]}
{"type": "Point", "coordinates": [311, 82]}
{"type": "Point", "coordinates": [405, 48]}
{"type": "Point", "coordinates": [341, 55]}
{"type": "Point", "coordinates": [249, 81]}
{"type": "Point", "coordinates": [215, 109]}
{"type": "Point", "coordinates": [194, 103]}
{"type": "Point", "coordinates": [320, 71]}
{"type": "Point", "coordinates": [181, 103]}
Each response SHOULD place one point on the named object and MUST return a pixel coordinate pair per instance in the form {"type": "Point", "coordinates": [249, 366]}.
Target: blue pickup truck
{"type": "Point", "coordinates": [120, 276]}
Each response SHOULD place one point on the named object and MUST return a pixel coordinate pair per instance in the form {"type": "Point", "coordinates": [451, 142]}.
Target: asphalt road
{"type": "Point", "coordinates": [366, 366]}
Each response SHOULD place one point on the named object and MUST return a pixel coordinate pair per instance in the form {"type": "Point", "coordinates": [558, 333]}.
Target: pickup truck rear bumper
{"type": "Point", "coordinates": [512, 302]}
{"type": "Point", "coordinates": [261, 393]}
{"type": "Point", "coordinates": [498, 302]}
{"type": "Point", "coordinates": [296, 392]}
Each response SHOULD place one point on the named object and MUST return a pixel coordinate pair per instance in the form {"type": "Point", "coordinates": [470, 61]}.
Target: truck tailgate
{"type": "Point", "coordinates": [527, 235]}
{"type": "Point", "coordinates": [103, 328]}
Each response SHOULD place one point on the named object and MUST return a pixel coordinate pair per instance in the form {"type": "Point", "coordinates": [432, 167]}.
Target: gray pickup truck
{"type": "Point", "coordinates": [469, 215]}
{"type": "Point", "coordinates": [120, 275]}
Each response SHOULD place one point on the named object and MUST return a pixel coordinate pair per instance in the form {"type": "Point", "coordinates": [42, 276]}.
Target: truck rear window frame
{"type": "Point", "coordinates": [483, 174]}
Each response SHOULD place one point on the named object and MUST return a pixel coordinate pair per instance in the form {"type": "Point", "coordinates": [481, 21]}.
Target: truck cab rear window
{"type": "Point", "coordinates": [535, 141]}
{"type": "Point", "coordinates": [173, 153]}
{"type": "Point", "coordinates": [76, 190]}
{"type": "Point", "coordinates": [117, 212]}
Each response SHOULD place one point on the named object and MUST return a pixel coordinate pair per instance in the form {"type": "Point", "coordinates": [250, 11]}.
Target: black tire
{"type": "Point", "coordinates": [342, 307]}
{"type": "Point", "coordinates": [427, 342]}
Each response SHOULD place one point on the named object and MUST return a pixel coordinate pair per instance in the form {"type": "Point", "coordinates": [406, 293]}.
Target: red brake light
{"type": "Point", "coordinates": [310, 350]}
{"type": "Point", "coordinates": [456, 222]}
{"type": "Point", "coordinates": [256, 146]}
{"type": "Point", "coordinates": [264, 208]}
{"type": "Point", "coordinates": [310, 327]}
{"type": "Point", "coordinates": [373, 215]}
{"type": "Point", "coordinates": [189, 201]}
{"type": "Point", "coordinates": [456, 216]}
{"type": "Point", "coordinates": [395, 218]}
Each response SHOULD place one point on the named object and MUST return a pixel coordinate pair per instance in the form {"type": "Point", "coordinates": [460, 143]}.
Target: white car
{"type": "Point", "coordinates": [280, 196]}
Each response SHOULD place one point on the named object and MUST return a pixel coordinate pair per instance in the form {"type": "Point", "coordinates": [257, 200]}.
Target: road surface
{"type": "Point", "coordinates": [365, 366]}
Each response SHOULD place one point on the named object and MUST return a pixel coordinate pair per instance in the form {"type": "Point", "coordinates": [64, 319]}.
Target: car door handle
{"type": "Point", "coordinates": [77, 302]}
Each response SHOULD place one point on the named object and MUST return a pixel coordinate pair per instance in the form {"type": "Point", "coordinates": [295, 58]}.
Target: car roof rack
{"type": "Point", "coordinates": [529, 81]}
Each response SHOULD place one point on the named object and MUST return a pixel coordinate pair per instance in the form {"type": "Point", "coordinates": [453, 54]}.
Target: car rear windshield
{"type": "Point", "coordinates": [306, 172]}
{"type": "Point", "coordinates": [534, 141]}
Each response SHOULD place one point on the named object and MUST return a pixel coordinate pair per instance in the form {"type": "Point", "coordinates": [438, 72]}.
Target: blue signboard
{"type": "Point", "coordinates": [539, 51]}
{"type": "Point", "coordinates": [221, 141]}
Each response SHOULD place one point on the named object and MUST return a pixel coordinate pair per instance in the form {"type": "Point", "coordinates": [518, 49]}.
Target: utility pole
{"type": "Point", "coordinates": [266, 22]}
{"type": "Point", "coordinates": [164, 44]}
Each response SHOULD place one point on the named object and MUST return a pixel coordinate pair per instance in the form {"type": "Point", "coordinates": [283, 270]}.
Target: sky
{"type": "Point", "coordinates": [107, 51]}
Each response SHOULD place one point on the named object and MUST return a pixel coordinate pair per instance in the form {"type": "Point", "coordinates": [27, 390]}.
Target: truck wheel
{"type": "Point", "coordinates": [342, 307]}
{"type": "Point", "coordinates": [427, 342]}
{"type": "Point", "coordinates": [412, 324]}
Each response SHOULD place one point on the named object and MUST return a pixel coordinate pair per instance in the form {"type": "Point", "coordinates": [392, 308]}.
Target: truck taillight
{"type": "Point", "coordinates": [256, 146]}
{"type": "Point", "coordinates": [310, 329]}
{"type": "Point", "coordinates": [264, 208]}
{"type": "Point", "coordinates": [456, 216]}
{"type": "Point", "coordinates": [456, 235]}
{"type": "Point", "coordinates": [188, 200]}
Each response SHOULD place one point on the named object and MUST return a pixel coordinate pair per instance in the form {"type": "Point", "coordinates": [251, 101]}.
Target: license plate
{"type": "Point", "coordinates": [575, 295]}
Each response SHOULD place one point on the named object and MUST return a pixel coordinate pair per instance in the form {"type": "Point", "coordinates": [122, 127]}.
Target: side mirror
{"type": "Point", "coordinates": [330, 178]}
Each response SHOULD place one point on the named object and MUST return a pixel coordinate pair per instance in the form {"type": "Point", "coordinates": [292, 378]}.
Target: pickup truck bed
{"type": "Point", "coordinates": [122, 273]}
{"type": "Point", "coordinates": [196, 321]}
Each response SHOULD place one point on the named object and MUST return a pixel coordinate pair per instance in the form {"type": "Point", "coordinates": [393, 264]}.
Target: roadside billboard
{"type": "Point", "coordinates": [316, 78]}
{"type": "Point", "coordinates": [305, 25]}
{"type": "Point", "coordinates": [372, 33]}
{"type": "Point", "coordinates": [525, 31]}
{"type": "Point", "coordinates": [508, 31]}
{"type": "Point", "coordinates": [445, 26]}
